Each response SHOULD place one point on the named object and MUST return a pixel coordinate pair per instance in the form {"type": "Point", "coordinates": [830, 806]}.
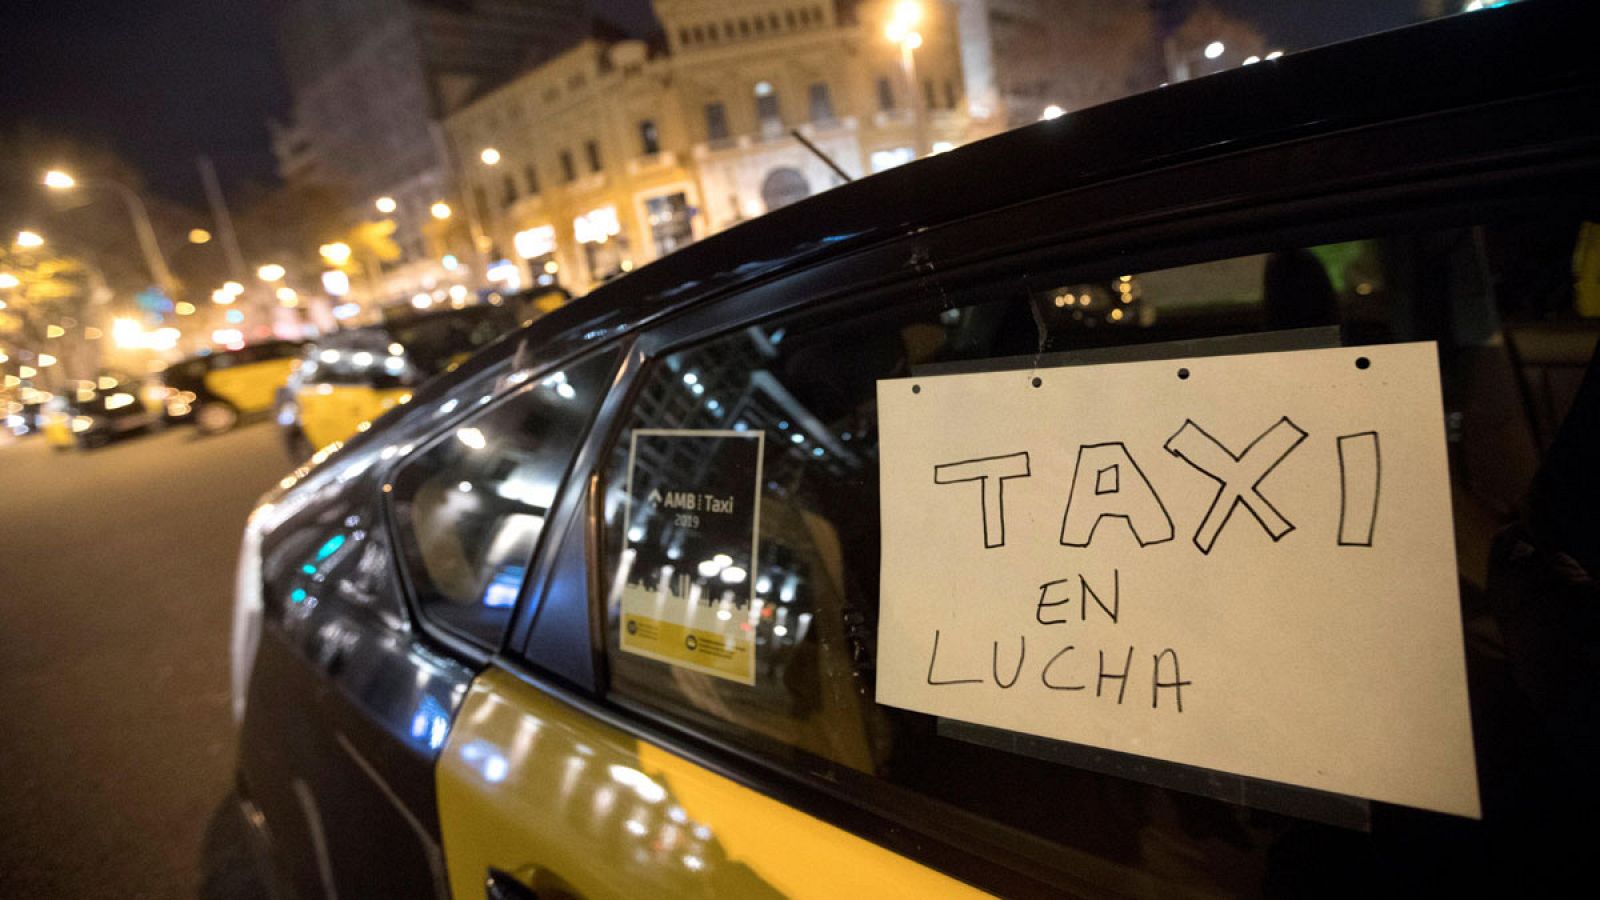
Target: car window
{"type": "Point", "coordinates": [1515, 333]}
{"type": "Point", "coordinates": [470, 507]}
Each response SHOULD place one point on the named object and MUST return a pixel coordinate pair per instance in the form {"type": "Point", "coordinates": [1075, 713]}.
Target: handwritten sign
{"type": "Point", "coordinates": [1242, 563]}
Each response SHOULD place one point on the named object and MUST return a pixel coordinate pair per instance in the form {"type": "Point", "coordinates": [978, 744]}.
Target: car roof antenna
{"type": "Point", "coordinates": [817, 152]}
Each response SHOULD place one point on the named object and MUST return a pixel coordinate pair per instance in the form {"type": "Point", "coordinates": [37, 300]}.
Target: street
{"type": "Point", "coordinates": [116, 583]}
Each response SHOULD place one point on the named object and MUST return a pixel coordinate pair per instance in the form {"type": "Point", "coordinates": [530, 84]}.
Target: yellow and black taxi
{"type": "Point", "coordinates": [89, 414]}
{"type": "Point", "coordinates": [853, 552]}
{"type": "Point", "coordinates": [214, 390]}
{"type": "Point", "coordinates": [348, 378]}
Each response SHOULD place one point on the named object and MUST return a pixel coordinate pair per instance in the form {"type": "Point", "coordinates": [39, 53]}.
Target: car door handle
{"type": "Point", "coordinates": [498, 885]}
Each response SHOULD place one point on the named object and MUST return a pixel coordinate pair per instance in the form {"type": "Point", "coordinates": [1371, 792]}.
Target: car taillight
{"type": "Point", "coordinates": [247, 607]}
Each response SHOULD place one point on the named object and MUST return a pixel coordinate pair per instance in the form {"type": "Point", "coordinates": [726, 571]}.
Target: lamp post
{"type": "Point", "coordinates": [901, 30]}
{"type": "Point", "coordinates": [55, 179]}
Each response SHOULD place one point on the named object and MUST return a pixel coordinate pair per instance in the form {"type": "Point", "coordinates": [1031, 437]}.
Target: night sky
{"type": "Point", "coordinates": [162, 81]}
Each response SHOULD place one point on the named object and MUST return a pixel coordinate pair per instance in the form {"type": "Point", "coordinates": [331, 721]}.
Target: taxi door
{"type": "Point", "coordinates": [252, 384]}
{"type": "Point", "coordinates": [544, 792]}
{"type": "Point", "coordinates": [334, 412]}
{"type": "Point", "coordinates": [538, 798]}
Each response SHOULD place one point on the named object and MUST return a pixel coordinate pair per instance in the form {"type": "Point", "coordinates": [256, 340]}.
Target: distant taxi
{"type": "Point", "coordinates": [344, 380]}
{"type": "Point", "coordinates": [602, 611]}
{"type": "Point", "coordinates": [214, 390]}
{"type": "Point", "coordinates": [91, 414]}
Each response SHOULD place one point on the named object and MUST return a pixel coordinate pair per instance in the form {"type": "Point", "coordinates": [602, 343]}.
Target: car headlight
{"type": "Point", "coordinates": [247, 608]}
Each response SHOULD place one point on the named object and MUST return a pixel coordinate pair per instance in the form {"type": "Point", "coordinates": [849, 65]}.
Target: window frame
{"type": "Point", "coordinates": [1361, 182]}
{"type": "Point", "coordinates": [458, 644]}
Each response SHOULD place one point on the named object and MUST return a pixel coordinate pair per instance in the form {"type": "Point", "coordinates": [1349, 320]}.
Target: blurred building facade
{"type": "Point", "coordinates": [371, 79]}
{"type": "Point", "coordinates": [616, 153]}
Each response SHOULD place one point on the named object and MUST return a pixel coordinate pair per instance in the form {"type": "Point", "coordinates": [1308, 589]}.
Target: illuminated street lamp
{"type": "Point", "coordinates": [335, 254]}
{"type": "Point", "coordinates": [385, 205]}
{"type": "Point", "coordinates": [270, 272]}
{"type": "Point", "coordinates": [1214, 50]}
{"type": "Point", "coordinates": [8, 281]}
{"type": "Point", "coordinates": [57, 180]}
{"type": "Point", "coordinates": [29, 240]}
{"type": "Point", "coordinates": [490, 156]}
{"type": "Point", "coordinates": [1051, 112]}
{"type": "Point", "coordinates": [902, 31]}
{"type": "Point", "coordinates": [199, 236]}
{"type": "Point", "coordinates": [440, 210]}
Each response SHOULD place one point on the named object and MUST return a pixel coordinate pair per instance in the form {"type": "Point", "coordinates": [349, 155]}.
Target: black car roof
{"type": "Point", "coordinates": [1460, 61]}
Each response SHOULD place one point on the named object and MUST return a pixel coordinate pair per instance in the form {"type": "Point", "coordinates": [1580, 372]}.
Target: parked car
{"type": "Point", "coordinates": [216, 390]}
{"type": "Point", "coordinates": [432, 664]}
{"type": "Point", "coordinates": [92, 414]}
{"type": "Point", "coordinates": [348, 378]}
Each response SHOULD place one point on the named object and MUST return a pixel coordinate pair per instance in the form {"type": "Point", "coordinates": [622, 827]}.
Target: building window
{"type": "Point", "coordinates": [821, 103]}
{"type": "Point", "coordinates": [949, 94]}
{"type": "Point", "coordinates": [531, 176]}
{"type": "Point", "coordinates": [772, 21]}
{"type": "Point", "coordinates": [591, 149]}
{"type": "Point", "coordinates": [744, 28]}
{"type": "Point", "coordinates": [885, 95]}
{"type": "Point", "coordinates": [788, 18]}
{"type": "Point", "coordinates": [714, 32]}
{"type": "Point", "coordinates": [683, 35]}
{"type": "Point", "coordinates": [670, 227]}
{"type": "Point", "coordinates": [716, 122]}
{"type": "Point", "coordinates": [508, 195]}
{"type": "Point", "coordinates": [569, 172]}
{"type": "Point", "coordinates": [699, 34]}
{"type": "Point", "coordinates": [767, 107]}
{"type": "Point", "coordinates": [761, 25]}
{"type": "Point", "coordinates": [888, 159]}
{"type": "Point", "coordinates": [649, 138]}
{"type": "Point", "coordinates": [928, 97]}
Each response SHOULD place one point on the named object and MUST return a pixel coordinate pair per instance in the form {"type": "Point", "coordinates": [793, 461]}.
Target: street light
{"type": "Point", "coordinates": [8, 281]}
{"type": "Point", "coordinates": [490, 156]}
{"type": "Point", "coordinates": [1214, 49]}
{"type": "Point", "coordinates": [440, 210]}
{"type": "Point", "coordinates": [28, 240]}
{"type": "Point", "coordinates": [901, 29]}
{"type": "Point", "coordinates": [199, 236]}
{"type": "Point", "coordinates": [335, 254]}
{"type": "Point", "coordinates": [1051, 112]}
{"type": "Point", "coordinates": [270, 272]}
{"type": "Point", "coordinates": [57, 180]}
{"type": "Point", "coordinates": [385, 205]}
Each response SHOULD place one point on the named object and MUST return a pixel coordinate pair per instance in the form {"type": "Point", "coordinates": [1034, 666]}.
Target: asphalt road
{"type": "Point", "coordinates": [116, 740]}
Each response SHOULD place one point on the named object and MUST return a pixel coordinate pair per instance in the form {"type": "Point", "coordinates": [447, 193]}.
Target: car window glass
{"type": "Point", "coordinates": [470, 507]}
{"type": "Point", "coordinates": [434, 343]}
{"type": "Point", "coordinates": [1516, 332]}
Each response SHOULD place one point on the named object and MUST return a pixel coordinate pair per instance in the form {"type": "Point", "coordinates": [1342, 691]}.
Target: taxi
{"type": "Point", "coordinates": [345, 379]}
{"type": "Point", "coordinates": [607, 611]}
{"type": "Point", "coordinates": [91, 414]}
{"type": "Point", "coordinates": [216, 389]}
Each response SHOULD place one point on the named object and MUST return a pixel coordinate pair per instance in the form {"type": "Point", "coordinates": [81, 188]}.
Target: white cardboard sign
{"type": "Point", "coordinates": [1241, 563]}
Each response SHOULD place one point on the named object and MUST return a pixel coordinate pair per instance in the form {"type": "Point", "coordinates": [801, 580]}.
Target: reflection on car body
{"type": "Point", "coordinates": [434, 692]}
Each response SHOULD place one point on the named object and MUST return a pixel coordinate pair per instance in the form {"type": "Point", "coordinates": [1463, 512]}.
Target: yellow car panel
{"type": "Point", "coordinates": [252, 387]}
{"type": "Point", "coordinates": [564, 802]}
{"type": "Point", "coordinates": [57, 430]}
{"type": "Point", "coordinates": [331, 412]}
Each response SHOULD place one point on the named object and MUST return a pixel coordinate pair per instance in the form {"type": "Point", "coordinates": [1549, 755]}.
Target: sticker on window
{"type": "Point", "coordinates": [1242, 563]}
{"type": "Point", "coordinates": [691, 524]}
